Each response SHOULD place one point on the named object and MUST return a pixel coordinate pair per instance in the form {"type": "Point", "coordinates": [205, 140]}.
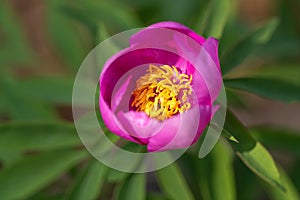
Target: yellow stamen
{"type": "Point", "coordinates": [162, 92]}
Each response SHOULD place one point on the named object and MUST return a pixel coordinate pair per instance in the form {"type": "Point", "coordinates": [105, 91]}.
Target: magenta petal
{"type": "Point", "coordinates": [181, 131]}
{"type": "Point", "coordinates": [118, 65]}
{"type": "Point", "coordinates": [205, 71]}
{"type": "Point", "coordinates": [211, 46]}
{"type": "Point", "coordinates": [180, 28]}
{"type": "Point", "coordinates": [139, 125]}
{"type": "Point", "coordinates": [112, 122]}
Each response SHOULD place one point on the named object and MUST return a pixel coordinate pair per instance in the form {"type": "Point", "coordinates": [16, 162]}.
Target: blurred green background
{"type": "Point", "coordinates": [42, 44]}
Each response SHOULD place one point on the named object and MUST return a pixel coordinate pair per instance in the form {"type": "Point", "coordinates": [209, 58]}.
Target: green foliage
{"type": "Point", "coordinates": [268, 88]}
{"type": "Point", "coordinates": [252, 153]}
{"type": "Point", "coordinates": [37, 136]}
{"type": "Point", "coordinates": [89, 184]}
{"type": "Point", "coordinates": [41, 155]}
{"type": "Point", "coordinates": [290, 192]}
{"type": "Point", "coordinates": [219, 12]}
{"type": "Point", "coordinates": [284, 140]}
{"type": "Point", "coordinates": [12, 38]}
{"type": "Point", "coordinates": [34, 172]}
{"type": "Point", "coordinates": [245, 46]}
{"type": "Point", "coordinates": [214, 174]}
{"type": "Point", "coordinates": [133, 187]}
{"type": "Point", "coordinates": [173, 184]}
{"type": "Point", "coordinates": [223, 182]}
{"type": "Point", "coordinates": [22, 107]}
{"type": "Point", "coordinates": [65, 36]}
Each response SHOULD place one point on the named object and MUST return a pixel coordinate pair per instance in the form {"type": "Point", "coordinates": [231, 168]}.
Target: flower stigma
{"type": "Point", "coordinates": [162, 92]}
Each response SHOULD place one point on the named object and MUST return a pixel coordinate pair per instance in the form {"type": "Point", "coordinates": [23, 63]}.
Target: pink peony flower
{"type": "Point", "coordinates": [160, 90]}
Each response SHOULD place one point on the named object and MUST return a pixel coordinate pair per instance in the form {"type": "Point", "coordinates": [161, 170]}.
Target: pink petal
{"type": "Point", "coordinates": [181, 131]}
{"type": "Point", "coordinates": [180, 28]}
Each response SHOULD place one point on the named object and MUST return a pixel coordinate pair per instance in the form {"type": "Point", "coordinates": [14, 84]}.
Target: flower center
{"type": "Point", "coordinates": [162, 92]}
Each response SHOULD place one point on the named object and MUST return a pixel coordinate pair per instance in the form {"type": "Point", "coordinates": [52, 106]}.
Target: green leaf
{"type": "Point", "coordinates": [262, 164]}
{"type": "Point", "coordinates": [16, 137]}
{"type": "Point", "coordinates": [245, 47]}
{"type": "Point", "coordinates": [173, 183]}
{"type": "Point", "coordinates": [8, 158]}
{"type": "Point", "coordinates": [34, 172]}
{"type": "Point", "coordinates": [272, 89]}
{"type": "Point", "coordinates": [291, 192]}
{"type": "Point", "coordinates": [134, 187]}
{"type": "Point", "coordinates": [223, 183]}
{"type": "Point", "coordinates": [65, 36]}
{"type": "Point", "coordinates": [180, 11]}
{"type": "Point", "coordinates": [14, 47]}
{"type": "Point", "coordinates": [89, 186]}
{"type": "Point", "coordinates": [53, 90]}
{"type": "Point", "coordinates": [116, 176]}
{"type": "Point", "coordinates": [277, 71]}
{"type": "Point", "coordinates": [247, 185]}
{"type": "Point", "coordinates": [215, 173]}
{"type": "Point", "coordinates": [112, 14]}
{"type": "Point", "coordinates": [253, 154]}
{"type": "Point", "coordinates": [21, 107]}
{"type": "Point", "coordinates": [283, 140]}
{"type": "Point", "coordinates": [219, 13]}
{"type": "Point", "coordinates": [156, 196]}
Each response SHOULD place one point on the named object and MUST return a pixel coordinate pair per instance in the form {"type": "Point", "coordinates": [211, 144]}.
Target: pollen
{"type": "Point", "coordinates": [162, 92]}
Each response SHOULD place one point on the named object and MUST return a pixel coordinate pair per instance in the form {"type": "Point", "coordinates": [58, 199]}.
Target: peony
{"type": "Point", "coordinates": [160, 91]}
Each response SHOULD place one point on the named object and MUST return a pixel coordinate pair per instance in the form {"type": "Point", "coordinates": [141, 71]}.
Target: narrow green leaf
{"type": "Point", "coordinates": [8, 158]}
{"type": "Point", "coordinates": [204, 14]}
{"type": "Point", "coordinates": [34, 172]}
{"type": "Point", "coordinates": [203, 173]}
{"type": "Point", "coordinates": [262, 164]}
{"type": "Point", "coordinates": [116, 176]}
{"type": "Point", "coordinates": [16, 137]}
{"type": "Point", "coordinates": [180, 11]}
{"type": "Point", "coordinates": [13, 41]}
{"type": "Point", "coordinates": [173, 183]}
{"type": "Point", "coordinates": [21, 107]}
{"type": "Point", "coordinates": [291, 192]}
{"type": "Point", "coordinates": [245, 47]}
{"type": "Point", "coordinates": [223, 183]}
{"type": "Point", "coordinates": [134, 187]}
{"type": "Point", "coordinates": [89, 185]}
{"type": "Point", "coordinates": [156, 196]}
{"type": "Point", "coordinates": [215, 173]}
{"type": "Point", "coordinates": [277, 71]}
{"type": "Point", "coordinates": [53, 90]}
{"type": "Point", "coordinates": [254, 155]}
{"type": "Point", "coordinates": [220, 11]}
{"type": "Point", "coordinates": [114, 14]}
{"type": "Point", "coordinates": [65, 36]}
{"type": "Point", "coordinates": [283, 140]}
{"type": "Point", "coordinates": [272, 89]}
{"type": "Point", "coordinates": [247, 185]}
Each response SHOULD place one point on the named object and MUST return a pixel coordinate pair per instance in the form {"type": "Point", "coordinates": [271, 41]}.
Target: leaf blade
{"type": "Point", "coordinates": [89, 186]}
{"type": "Point", "coordinates": [134, 187]}
{"type": "Point", "coordinates": [219, 14]}
{"type": "Point", "coordinates": [37, 136]}
{"type": "Point", "coordinates": [35, 172]}
{"type": "Point", "coordinates": [253, 154]}
{"type": "Point", "coordinates": [243, 48]}
{"type": "Point", "coordinates": [223, 177]}
{"type": "Point", "coordinates": [291, 192]}
{"type": "Point", "coordinates": [268, 88]}
{"type": "Point", "coordinates": [173, 183]}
